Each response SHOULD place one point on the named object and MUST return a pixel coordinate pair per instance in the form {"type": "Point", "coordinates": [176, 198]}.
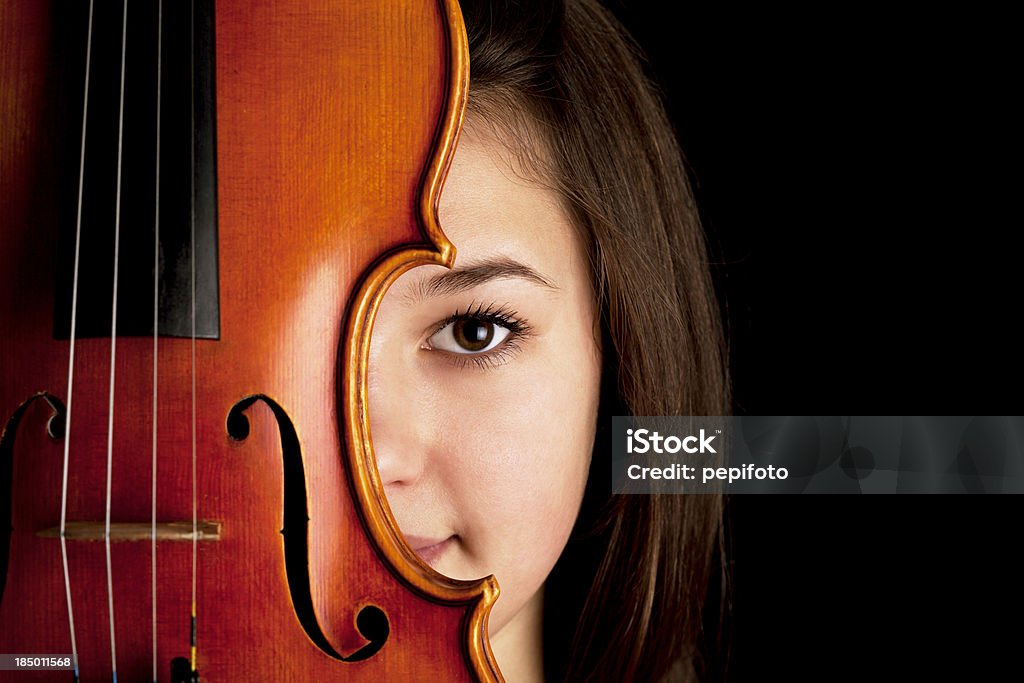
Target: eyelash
{"type": "Point", "coordinates": [503, 316]}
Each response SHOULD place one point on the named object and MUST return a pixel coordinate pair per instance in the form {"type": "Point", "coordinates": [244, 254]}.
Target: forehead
{"type": "Point", "coordinates": [490, 208]}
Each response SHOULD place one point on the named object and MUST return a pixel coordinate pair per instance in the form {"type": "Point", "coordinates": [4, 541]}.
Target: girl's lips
{"type": "Point", "coordinates": [430, 550]}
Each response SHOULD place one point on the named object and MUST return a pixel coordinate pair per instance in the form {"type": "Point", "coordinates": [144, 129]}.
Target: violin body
{"type": "Point", "coordinates": [334, 126]}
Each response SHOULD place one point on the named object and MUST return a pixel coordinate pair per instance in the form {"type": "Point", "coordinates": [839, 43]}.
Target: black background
{"type": "Point", "coordinates": [853, 166]}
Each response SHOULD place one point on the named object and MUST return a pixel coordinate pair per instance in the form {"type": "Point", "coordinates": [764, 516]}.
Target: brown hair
{"type": "Point", "coordinates": [626, 600]}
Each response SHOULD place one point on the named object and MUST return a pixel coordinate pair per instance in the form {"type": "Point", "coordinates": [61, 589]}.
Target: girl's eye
{"type": "Point", "coordinates": [486, 337]}
{"type": "Point", "coordinates": [468, 335]}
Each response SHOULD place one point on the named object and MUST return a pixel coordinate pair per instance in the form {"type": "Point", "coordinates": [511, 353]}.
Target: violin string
{"type": "Point", "coordinates": [156, 315]}
{"type": "Point", "coordinates": [113, 349]}
{"type": "Point", "coordinates": [71, 357]}
{"type": "Point", "coordinates": [195, 504]}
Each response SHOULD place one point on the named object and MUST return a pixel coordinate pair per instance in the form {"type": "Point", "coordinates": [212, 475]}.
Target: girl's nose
{"type": "Point", "coordinates": [397, 425]}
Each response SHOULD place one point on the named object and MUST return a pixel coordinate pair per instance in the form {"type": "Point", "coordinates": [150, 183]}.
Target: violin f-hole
{"type": "Point", "coordinates": [55, 428]}
{"type": "Point", "coordinates": [371, 622]}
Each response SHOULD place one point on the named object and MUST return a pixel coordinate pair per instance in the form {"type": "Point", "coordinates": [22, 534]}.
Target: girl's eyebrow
{"type": "Point", "coordinates": [473, 274]}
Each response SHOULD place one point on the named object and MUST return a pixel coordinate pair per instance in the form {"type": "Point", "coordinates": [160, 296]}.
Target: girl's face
{"type": "Point", "coordinates": [484, 381]}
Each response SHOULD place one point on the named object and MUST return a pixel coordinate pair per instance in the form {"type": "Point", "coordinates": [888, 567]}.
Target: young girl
{"type": "Point", "coordinates": [580, 291]}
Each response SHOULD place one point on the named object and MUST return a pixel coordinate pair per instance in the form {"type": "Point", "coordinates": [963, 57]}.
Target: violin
{"type": "Point", "coordinates": [204, 203]}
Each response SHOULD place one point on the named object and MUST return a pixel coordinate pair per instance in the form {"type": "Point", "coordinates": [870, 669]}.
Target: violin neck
{"type": "Point", "coordinates": [137, 111]}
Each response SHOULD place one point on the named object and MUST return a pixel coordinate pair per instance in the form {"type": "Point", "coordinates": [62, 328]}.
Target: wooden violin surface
{"type": "Point", "coordinates": [335, 123]}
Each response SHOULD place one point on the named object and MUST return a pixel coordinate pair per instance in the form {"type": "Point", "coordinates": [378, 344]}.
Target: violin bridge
{"type": "Point", "coordinates": [136, 531]}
